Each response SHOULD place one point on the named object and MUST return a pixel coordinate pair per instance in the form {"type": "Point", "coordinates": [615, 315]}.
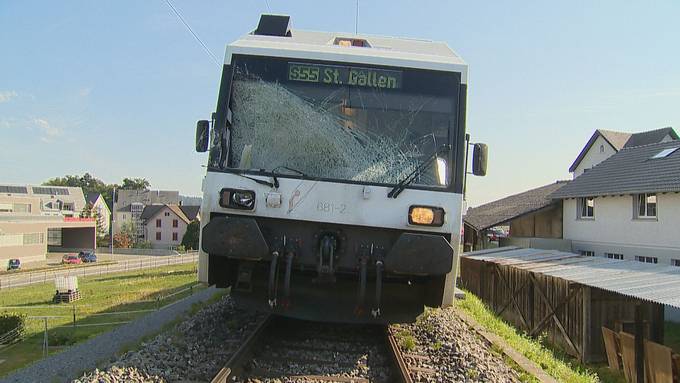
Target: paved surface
{"type": "Point", "coordinates": [127, 263]}
{"type": "Point", "coordinates": [72, 362]}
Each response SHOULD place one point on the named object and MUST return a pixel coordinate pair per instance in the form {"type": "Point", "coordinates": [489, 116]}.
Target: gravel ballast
{"type": "Point", "coordinates": [68, 364]}
{"type": "Point", "coordinates": [193, 351]}
{"type": "Point", "coordinates": [443, 342]}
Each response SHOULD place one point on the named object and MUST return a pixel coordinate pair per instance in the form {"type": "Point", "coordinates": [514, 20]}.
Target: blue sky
{"type": "Point", "coordinates": [115, 87]}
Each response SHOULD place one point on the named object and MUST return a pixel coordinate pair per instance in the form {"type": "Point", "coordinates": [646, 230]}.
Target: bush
{"type": "Point", "coordinates": [11, 321]}
{"type": "Point", "coordinates": [181, 249]}
{"type": "Point", "coordinates": [143, 245]}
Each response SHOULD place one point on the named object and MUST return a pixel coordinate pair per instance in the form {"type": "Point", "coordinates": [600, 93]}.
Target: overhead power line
{"type": "Point", "coordinates": [205, 47]}
{"type": "Point", "coordinates": [266, 2]}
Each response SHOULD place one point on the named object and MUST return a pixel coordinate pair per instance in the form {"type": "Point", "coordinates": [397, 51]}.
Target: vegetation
{"type": "Point", "coordinates": [672, 335]}
{"type": "Point", "coordinates": [112, 297]}
{"type": "Point", "coordinates": [190, 239]}
{"type": "Point", "coordinates": [12, 321]}
{"type": "Point", "coordinates": [559, 365]}
{"type": "Point", "coordinates": [90, 184]}
{"type": "Point", "coordinates": [126, 237]}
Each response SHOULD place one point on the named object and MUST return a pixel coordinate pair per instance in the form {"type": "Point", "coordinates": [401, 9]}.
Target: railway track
{"type": "Point", "coordinates": [287, 350]}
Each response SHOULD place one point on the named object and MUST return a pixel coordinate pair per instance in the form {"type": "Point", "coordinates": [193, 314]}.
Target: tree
{"type": "Point", "coordinates": [90, 184]}
{"type": "Point", "coordinates": [135, 184]}
{"type": "Point", "coordinates": [190, 239]}
{"type": "Point", "coordinates": [127, 236]}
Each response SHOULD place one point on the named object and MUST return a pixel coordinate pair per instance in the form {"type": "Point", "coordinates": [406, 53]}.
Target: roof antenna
{"type": "Point", "coordinates": [356, 19]}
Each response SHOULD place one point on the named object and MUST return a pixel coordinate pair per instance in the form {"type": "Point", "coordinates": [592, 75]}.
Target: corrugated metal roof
{"type": "Point", "coordinates": [650, 282]}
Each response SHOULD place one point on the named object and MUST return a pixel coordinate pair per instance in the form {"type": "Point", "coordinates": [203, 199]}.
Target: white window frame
{"type": "Point", "coordinates": [617, 256]}
{"type": "Point", "coordinates": [675, 262]}
{"type": "Point", "coordinates": [646, 259]}
{"type": "Point", "coordinates": [641, 210]}
{"type": "Point", "coordinates": [582, 208]}
{"type": "Point", "coordinates": [587, 253]}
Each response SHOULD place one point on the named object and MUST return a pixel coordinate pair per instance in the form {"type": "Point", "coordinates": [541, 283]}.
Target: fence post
{"type": "Point", "coordinates": [46, 344]}
{"type": "Point", "coordinates": [74, 317]}
{"type": "Point", "coordinates": [158, 303]}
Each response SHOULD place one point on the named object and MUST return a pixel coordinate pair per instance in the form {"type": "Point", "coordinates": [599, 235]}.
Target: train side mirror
{"type": "Point", "coordinates": [202, 135]}
{"type": "Point", "coordinates": [480, 154]}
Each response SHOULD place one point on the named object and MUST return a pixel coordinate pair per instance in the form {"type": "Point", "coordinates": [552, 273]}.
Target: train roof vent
{"type": "Point", "coordinates": [273, 25]}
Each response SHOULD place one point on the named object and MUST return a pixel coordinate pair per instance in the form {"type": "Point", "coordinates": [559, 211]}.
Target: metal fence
{"type": "Point", "coordinates": [69, 316]}
{"type": "Point", "coordinates": [29, 278]}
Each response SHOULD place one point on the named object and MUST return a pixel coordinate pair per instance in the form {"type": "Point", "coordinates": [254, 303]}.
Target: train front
{"type": "Point", "coordinates": [335, 176]}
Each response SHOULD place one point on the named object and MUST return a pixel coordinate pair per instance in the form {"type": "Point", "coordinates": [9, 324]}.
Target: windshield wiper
{"type": "Point", "coordinates": [401, 186]}
{"type": "Point", "coordinates": [275, 184]}
{"type": "Point", "coordinates": [291, 169]}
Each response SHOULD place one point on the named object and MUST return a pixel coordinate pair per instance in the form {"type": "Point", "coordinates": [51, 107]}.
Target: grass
{"type": "Point", "coordinates": [672, 336]}
{"type": "Point", "coordinates": [560, 366]}
{"type": "Point", "coordinates": [108, 294]}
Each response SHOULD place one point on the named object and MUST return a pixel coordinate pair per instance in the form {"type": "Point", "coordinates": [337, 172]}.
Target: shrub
{"type": "Point", "coordinates": [181, 249]}
{"type": "Point", "coordinates": [12, 321]}
{"type": "Point", "coordinates": [143, 245]}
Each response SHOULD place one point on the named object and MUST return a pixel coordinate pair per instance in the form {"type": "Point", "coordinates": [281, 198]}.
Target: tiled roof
{"type": "Point", "coordinates": [620, 140]}
{"type": "Point", "coordinates": [150, 210]}
{"type": "Point", "coordinates": [191, 211]}
{"type": "Point", "coordinates": [630, 171]}
{"type": "Point", "coordinates": [651, 137]}
{"type": "Point", "coordinates": [92, 198]}
{"type": "Point", "coordinates": [500, 211]}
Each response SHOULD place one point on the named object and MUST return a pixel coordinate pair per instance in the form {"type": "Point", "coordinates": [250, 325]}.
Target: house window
{"type": "Point", "coordinates": [601, 148]}
{"type": "Point", "coordinates": [158, 236]}
{"type": "Point", "coordinates": [645, 205]}
{"type": "Point", "coordinates": [174, 236]}
{"type": "Point", "coordinates": [586, 207]}
{"type": "Point", "coordinates": [158, 223]}
{"type": "Point", "coordinates": [644, 259]}
{"type": "Point", "coordinates": [175, 223]}
{"type": "Point", "coordinates": [675, 262]}
{"type": "Point", "coordinates": [614, 256]}
{"type": "Point", "coordinates": [167, 214]}
{"type": "Point", "coordinates": [587, 253]}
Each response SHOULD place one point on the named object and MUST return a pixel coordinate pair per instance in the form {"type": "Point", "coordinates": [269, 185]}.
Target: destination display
{"type": "Point", "coordinates": [343, 75]}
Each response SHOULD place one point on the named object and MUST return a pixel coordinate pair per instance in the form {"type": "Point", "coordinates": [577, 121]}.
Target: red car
{"type": "Point", "coordinates": [71, 259]}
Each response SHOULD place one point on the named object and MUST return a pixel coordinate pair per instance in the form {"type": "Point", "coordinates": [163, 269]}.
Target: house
{"type": "Point", "coordinates": [128, 206]}
{"type": "Point", "coordinates": [165, 224]}
{"type": "Point", "coordinates": [530, 214]}
{"type": "Point", "coordinates": [605, 143]}
{"type": "Point", "coordinates": [628, 206]}
{"type": "Point", "coordinates": [35, 219]}
{"type": "Point", "coordinates": [101, 210]}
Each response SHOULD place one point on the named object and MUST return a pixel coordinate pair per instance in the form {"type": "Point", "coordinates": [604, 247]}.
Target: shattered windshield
{"type": "Point", "coordinates": [341, 122]}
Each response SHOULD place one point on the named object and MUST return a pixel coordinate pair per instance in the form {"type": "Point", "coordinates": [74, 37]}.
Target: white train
{"type": "Point", "coordinates": [336, 173]}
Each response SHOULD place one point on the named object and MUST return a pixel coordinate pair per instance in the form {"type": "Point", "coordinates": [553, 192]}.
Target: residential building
{"type": "Point", "coordinates": [34, 219]}
{"type": "Point", "coordinates": [165, 225]}
{"type": "Point", "coordinates": [605, 143]}
{"type": "Point", "coordinates": [101, 210]}
{"type": "Point", "coordinates": [128, 206]}
{"type": "Point", "coordinates": [532, 216]}
{"type": "Point", "coordinates": [628, 206]}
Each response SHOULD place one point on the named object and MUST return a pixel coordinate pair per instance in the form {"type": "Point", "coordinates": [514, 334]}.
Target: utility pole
{"type": "Point", "coordinates": [113, 219]}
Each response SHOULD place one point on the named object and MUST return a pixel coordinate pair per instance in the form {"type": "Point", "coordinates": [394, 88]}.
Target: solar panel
{"type": "Point", "coordinates": [49, 190]}
{"type": "Point", "coordinates": [13, 189]}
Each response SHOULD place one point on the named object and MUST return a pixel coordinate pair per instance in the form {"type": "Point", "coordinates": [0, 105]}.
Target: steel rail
{"type": "Point", "coordinates": [403, 372]}
{"type": "Point", "coordinates": [243, 352]}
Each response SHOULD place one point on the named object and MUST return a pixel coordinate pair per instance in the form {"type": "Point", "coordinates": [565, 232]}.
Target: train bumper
{"type": "Point", "coordinates": [410, 254]}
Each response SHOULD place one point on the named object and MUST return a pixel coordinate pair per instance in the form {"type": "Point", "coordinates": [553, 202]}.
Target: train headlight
{"type": "Point", "coordinates": [237, 199]}
{"type": "Point", "coordinates": [426, 215]}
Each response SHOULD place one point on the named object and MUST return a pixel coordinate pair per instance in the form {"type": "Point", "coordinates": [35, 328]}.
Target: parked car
{"type": "Point", "coordinates": [13, 264]}
{"type": "Point", "coordinates": [87, 256]}
{"type": "Point", "coordinates": [71, 259]}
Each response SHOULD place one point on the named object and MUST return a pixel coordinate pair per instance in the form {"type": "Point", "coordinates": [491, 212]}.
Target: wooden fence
{"type": "Point", "coordinates": [568, 314]}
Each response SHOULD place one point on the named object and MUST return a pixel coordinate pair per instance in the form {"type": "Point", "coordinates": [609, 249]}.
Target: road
{"type": "Point", "coordinates": [43, 276]}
